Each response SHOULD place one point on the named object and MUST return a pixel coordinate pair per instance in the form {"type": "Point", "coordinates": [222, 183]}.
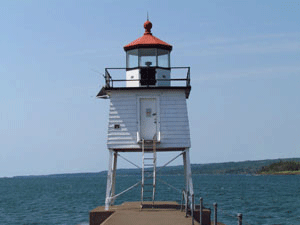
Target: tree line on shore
{"type": "Point", "coordinates": [281, 166]}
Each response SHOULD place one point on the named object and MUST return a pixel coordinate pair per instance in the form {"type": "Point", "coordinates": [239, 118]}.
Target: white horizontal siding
{"type": "Point", "coordinates": [123, 128]}
{"type": "Point", "coordinates": [121, 138]}
{"type": "Point", "coordinates": [122, 116]}
{"type": "Point", "coordinates": [123, 112]}
{"type": "Point", "coordinates": [181, 130]}
{"type": "Point", "coordinates": [119, 143]}
{"type": "Point", "coordinates": [174, 121]}
{"type": "Point", "coordinates": [176, 136]}
{"type": "Point", "coordinates": [174, 132]}
{"type": "Point", "coordinates": [114, 133]}
{"type": "Point", "coordinates": [174, 124]}
{"type": "Point", "coordinates": [122, 120]}
{"type": "Point", "coordinates": [172, 107]}
{"type": "Point", "coordinates": [128, 112]}
{"type": "Point", "coordinates": [169, 115]}
{"type": "Point", "coordinates": [173, 102]}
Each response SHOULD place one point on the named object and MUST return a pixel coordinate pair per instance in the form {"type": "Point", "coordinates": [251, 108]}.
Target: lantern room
{"type": "Point", "coordinates": [148, 61]}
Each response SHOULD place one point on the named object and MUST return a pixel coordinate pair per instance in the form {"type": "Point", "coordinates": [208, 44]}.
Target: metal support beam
{"type": "Point", "coordinates": [188, 175]}
{"type": "Point", "coordinates": [129, 161]}
{"type": "Point", "coordinates": [111, 177]}
{"type": "Point", "coordinates": [114, 177]}
{"type": "Point", "coordinates": [170, 161]}
{"type": "Point", "coordinates": [184, 170]}
{"type": "Point", "coordinates": [128, 189]}
{"type": "Point", "coordinates": [109, 181]}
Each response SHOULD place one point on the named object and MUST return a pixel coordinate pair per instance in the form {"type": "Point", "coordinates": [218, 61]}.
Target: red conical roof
{"type": "Point", "coordinates": [148, 40]}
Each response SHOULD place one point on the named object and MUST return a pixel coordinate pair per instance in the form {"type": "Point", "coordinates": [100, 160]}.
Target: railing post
{"type": "Point", "coordinates": [201, 206]}
{"type": "Point", "coordinates": [188, 77]}
{"type": "Point", "coordinates": [192, 209]}
{"type": "Point", "coordinates": [215, 214]}
{"type": "Point", "coordinates": [186, 203]}
{"type": "Point", "coordinates": [106, 78]}
{"type": "Point", "coordinates": [182, 198]}
{"type": "Point", "coordinates": [240, 218]}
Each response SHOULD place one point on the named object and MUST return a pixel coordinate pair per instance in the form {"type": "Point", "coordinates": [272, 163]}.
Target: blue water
{"type": "Point", "coordinates": [68, 199]}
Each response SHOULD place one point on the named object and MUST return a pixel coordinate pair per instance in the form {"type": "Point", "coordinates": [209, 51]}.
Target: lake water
{"type": "Point", "coordinates": [68, 199]}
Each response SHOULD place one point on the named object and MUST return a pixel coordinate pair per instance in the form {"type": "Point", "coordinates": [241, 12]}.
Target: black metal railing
{"type": "Point", "coordinates": [180, 79]}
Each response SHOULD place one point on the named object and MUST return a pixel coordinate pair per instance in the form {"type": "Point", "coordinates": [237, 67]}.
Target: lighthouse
{"type": "Point", "coordinates": [147, 114]}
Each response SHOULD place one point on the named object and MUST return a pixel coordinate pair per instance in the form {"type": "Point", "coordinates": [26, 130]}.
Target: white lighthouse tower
{"type": "Point", "coordinates": [148, 113]}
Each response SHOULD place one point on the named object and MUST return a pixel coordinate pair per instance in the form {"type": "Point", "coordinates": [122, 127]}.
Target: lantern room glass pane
{"type": "Point", "coordinates": [132, 58]}
{"type": "Point", "coordinates": [148, 57]}
{"type": "Point", "coordinates": [163, 58]}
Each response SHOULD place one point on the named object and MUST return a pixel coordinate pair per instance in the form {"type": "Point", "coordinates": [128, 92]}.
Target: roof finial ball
{"type": "Point", "coordinates": [147, 26]}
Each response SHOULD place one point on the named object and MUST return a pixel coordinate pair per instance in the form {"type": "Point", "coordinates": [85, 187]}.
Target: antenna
{"type": "Point", "coordinates": [98, 72]}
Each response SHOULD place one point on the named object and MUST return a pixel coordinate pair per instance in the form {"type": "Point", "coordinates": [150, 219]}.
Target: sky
{"type": "Point", "coordinates": [245, 76]}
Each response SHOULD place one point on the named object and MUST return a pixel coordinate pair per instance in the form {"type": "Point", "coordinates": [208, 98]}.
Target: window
{"type": "Point", "coordinates": [163, 58]}
{"type": "Point", "coordinates": [148, 57]}
{"type": "Point", "coordinates": [132, 58]}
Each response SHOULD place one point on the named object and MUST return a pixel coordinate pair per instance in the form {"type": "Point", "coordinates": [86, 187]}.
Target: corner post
{"type": "Point", "coordinates": [188, 176]}
{"type": "Point", "coordinates": [109, 181]}
{"type": "Point", "coordinates": [189, 173]}
{"type": "Point", "coordinates": [115, 157]}
{"type": "Point", "coordinates": [185, 171]}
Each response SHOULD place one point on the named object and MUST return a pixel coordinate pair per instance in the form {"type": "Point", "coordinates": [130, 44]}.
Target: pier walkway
{"type": "Point", "coordinates": [130, 213]}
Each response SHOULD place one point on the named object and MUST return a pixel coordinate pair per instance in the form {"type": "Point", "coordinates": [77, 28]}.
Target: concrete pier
{"type": "Point", "coordinates": [131, 213]}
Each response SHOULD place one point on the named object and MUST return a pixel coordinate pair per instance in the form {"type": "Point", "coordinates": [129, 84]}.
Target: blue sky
{"type": "Point", "coordinates": [245, 71]}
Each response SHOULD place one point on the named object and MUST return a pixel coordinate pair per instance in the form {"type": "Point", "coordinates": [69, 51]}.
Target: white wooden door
{"type": "Point", "coordinates": [148, 118]}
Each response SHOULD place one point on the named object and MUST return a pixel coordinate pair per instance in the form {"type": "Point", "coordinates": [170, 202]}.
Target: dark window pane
{"type": "Point", "coordinates": [148, 76]}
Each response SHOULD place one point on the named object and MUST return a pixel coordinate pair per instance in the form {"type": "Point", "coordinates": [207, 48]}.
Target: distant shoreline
{"type": "Point", "coordinates": [290, 167]}
{"type": "Point", "coordinates": [280, 173]}
{"type": "Point", "coordinates": [249, 167]}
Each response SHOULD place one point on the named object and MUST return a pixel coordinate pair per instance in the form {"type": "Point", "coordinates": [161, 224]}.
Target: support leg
{"type": "Point", "coordinates": [185, 181]}
{"type": "Point", "coordinates": [188, 174]}
{"type": "Point", "coordinates": [114, 177]}
{"type": "Point", "coordinates": [109, 181]}
{"type": "Point", "coordinates": [185, 171]}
